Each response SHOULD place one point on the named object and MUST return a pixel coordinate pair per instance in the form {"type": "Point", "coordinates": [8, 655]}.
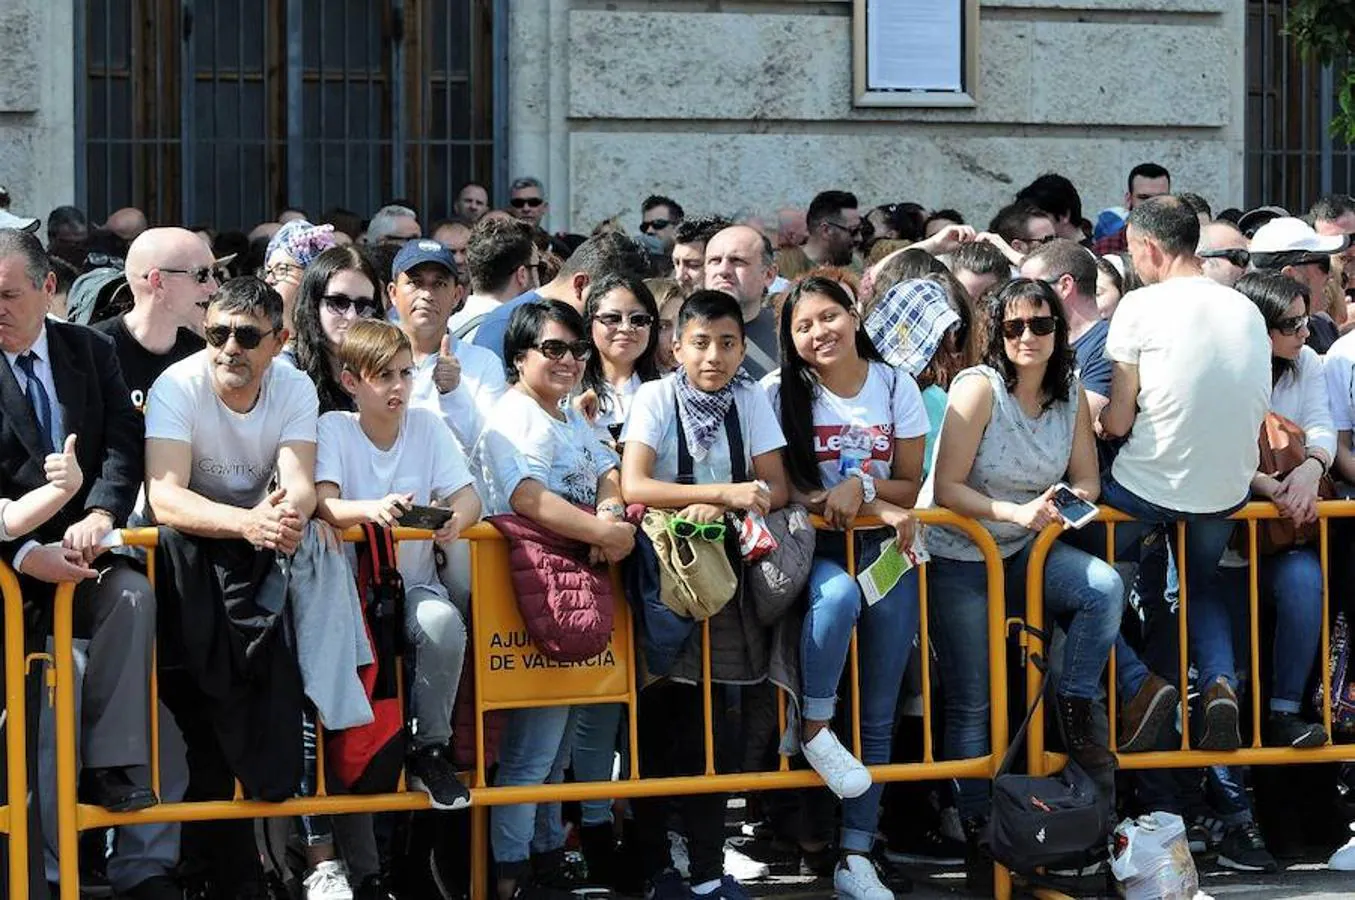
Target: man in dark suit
{"type": "Point", "coordinates": [58, 380]}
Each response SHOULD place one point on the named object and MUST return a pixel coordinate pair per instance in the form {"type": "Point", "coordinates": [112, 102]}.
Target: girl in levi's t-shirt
{"type": "Point", "coordinates": [855, 430]}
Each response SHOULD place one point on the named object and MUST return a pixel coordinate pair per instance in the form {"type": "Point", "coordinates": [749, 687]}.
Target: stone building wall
{"type": "Point", "coordinates": [749, 104]}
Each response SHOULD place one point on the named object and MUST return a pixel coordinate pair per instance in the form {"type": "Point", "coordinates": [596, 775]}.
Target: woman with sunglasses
{"type": "Point", "coordinates": [339, 288]}
{"type": "Point", "coordinates": [1292, 579]}
{"type": "Point", "coordinates": [854, 430]}
{"type": "Point", "coordinates": [622, 317]}
{"type": "Point", "coordinates": [291, 249]}
{"type": "Point", "coordinates": [1016, 426]}
{"type": "Point", "coordinates": [542, 460]}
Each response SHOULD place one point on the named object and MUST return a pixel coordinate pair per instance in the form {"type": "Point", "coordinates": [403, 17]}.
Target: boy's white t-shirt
{"type": "Point", "coordinates": [424, 461]}
{"type": "Point", "coordinates": [523, 441]}
{"type": "Point", "coordinates": [652, 421]}
{"type": "Point", "coordinates": [234, 454]}
{"type": "Point", "coordinates": [1203, 358]}
{"type": "Point", "coordinates": [860, 431]}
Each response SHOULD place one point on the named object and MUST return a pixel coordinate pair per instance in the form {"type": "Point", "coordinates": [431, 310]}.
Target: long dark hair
{"type": "Point", "coordinates": [799, 381]}
{"type": "Point", "coordinates": [1058, 376]}
{"type": "Point", "coordinates": [646, 364]}
{"type": "Point", "coordinates": [313, 353]}
{"type": "Point", "coordinates": [1272, 293]}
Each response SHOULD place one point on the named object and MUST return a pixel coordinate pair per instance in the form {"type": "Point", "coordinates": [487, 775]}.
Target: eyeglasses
{"type": "Point", "coordinates": [1236, 256]}
{"type": "Point", "coordinates": [615, 319]}
{"type": "Point", "coordinates": [655, 225]}
{"type": "Point", "coordinates": [854, 232]}
{"type": "Point", "coordinates": [279, 272]}
{"type": "Point", "coordinates": [247, 336]}
{"type": "Point", "coordinates": [1042, 240]}
{"type": "Point", "coordinates": [1039, 326]}
{"type": "Point", "coordinates": [1292, 325]}
{"type": "Point", "coordinates": [542, 268]}
{"type": "Point", "coordinates": [531, 202]}
{"type": "Point", "coordinates": [556, 350]}
{"type": "Point", "coordinates": [340, 304]}
{"type": "Point", "coordinates": [686, 529]}
{"type": "Point", "coordinates": [202, 274]}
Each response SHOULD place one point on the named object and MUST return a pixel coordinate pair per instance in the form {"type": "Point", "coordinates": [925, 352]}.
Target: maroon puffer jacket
{"type": "Point", "coordinates": [566, 604]}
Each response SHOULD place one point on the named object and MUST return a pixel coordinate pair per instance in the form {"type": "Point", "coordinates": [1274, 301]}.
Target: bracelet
{"type": "Point", "coordinates": [1326, 467]}
{"type": "Point", "coordinates": [613, 508]}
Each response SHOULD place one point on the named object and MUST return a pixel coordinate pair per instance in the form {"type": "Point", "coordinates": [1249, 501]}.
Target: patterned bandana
{"type": "Point", "coordinates": [302, 241]}
{"type": "Point", "coordinates": [703, 413]}
{"type": "Point", "coordinates": [910, 322]}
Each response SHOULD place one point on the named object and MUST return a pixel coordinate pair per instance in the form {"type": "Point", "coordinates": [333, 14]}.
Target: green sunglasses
{"type": "Point", "coordinates": [710, 531]}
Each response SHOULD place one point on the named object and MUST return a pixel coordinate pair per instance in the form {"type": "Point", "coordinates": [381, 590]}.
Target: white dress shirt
{"type": "Point", "coordinates": [42, 370]}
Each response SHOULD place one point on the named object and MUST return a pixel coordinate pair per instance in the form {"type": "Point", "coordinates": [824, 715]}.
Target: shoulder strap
{"type": "Point", "coordinates": [684, 461]}
{"type": "Point", "coordinates": [760, 357]}
{"type": "Point", "coordinates": [738, 469]}
{"type": "Point", "coordinates": [469, 325]}
{"type": "Point", "coordinates": [1019, 739]}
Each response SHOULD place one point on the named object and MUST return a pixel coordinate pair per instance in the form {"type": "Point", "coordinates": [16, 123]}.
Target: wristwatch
{"type": "Point", "coordinates": [867, 484]}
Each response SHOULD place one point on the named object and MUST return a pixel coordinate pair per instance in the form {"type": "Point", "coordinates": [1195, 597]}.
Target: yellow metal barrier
{"type": "Point", "coordinates": [14, 814]}
{"type": "Point", "coordinates": [1042, 762]}
{"type": "Point", "coordinates": [502, 682]}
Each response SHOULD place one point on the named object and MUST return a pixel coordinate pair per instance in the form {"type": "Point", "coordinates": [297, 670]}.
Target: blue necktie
{"type": "Point", "coordinates": [37, 396]}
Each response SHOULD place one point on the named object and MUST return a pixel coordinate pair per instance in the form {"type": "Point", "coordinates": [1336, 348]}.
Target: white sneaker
{"type": "Point", "coordinates": [856, 879]}
{"type": "Point", "coordinates": [842, 772]}
{"type": "Point", "coordinates": [742, 866]}
{"type": "Point", "coordinates": [327, 881]}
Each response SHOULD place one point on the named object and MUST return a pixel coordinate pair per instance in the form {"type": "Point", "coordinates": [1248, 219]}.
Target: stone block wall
{"type": "Point", "coordinates": [730, 105]}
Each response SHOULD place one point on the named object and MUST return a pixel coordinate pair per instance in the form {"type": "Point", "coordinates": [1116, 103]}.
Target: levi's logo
{"type": "Point", "coordinates": [857, 441]}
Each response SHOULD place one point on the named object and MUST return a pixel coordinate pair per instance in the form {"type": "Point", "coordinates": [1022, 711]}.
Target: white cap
{"type": "Point", "coordinates": [1287, 234]}
{"type": "Point", "coordinates": [9, 220]}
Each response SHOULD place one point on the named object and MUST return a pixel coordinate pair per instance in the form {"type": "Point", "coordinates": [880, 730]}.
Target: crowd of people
{"type": "Point", "coordinates": [677, 404]}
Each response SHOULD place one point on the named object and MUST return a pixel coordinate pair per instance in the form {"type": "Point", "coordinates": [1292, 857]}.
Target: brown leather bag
{"type": "Point", "coordinates": [1284, 447]}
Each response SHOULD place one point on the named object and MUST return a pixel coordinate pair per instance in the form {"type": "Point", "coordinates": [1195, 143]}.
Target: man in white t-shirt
{"type": "Point", "coordinates": [1190, 388]}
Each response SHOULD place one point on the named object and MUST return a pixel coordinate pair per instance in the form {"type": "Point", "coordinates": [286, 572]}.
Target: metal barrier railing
{"type": "Point", "coordinates": [14, 814]}
{"type": "Point", "coordinates": [1040, 761]}
{"type": "Point", "coordinates": [490, 584]}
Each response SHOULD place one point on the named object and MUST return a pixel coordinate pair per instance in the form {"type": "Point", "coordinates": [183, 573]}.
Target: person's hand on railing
{"type": "Point", "coordinates": [618, 541]}
{"type": "Point", "coordinates": [1037, 515]}
{"type": "Point", "coordinates": [843, 502]}
{"type": "Point", "coordinates": [388, 510]}
{"type": "Point", "coordinates": [55, 564]}
{"type": "Point", "coordinates": [1296, 495]}
{"type": "Point", "coordinates": [752, 496]}
{"type": "Point", "coordinates": [274, 524]}
{"type": "Point", "coordinates": [905, 527]}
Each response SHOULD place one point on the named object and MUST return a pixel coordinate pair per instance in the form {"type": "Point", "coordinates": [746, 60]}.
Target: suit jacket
{"type": "Point", "coordinates": [95, 406]}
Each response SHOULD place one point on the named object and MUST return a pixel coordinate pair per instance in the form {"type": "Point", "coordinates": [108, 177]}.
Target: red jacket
{"type": "Point", "coordinates": [566, 604]}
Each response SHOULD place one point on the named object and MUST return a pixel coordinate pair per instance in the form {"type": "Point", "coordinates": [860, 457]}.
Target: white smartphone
{"type": "Point", "coordinates": [1075, 511]}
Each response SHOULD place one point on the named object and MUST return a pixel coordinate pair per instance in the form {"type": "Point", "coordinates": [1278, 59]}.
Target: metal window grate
{"type": "Point", "coordinates": [208, 111]}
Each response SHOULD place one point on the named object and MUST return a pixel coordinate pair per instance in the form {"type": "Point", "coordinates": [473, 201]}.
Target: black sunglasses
{"type": "Point", "coordinates": [247, 336]}
{"type": "Point", "coordinates": [201, 274]}
{"type": "Point", "coordinates": [1291, 326]}
{"type": "Point", "coordinates": [854, 232]}
{"type": "Point", "coordinates": [614, 319]}
{"type": "Point", "coordinates": [655, 225]}
{"type": "Point", "coordinates": [556, 350]}
{"type": "Point", "coordinates": [520, 202]}
{"type": "Point", "coordinates": [1038, 325]}
{"type": "Point", "coordinates": [340, 304]}
{"type": "Point", "coordinates": [1235, 255]}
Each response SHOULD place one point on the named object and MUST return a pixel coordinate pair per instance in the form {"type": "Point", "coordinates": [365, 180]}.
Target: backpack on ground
{"type": "Point", "coordinates": [368, 759]}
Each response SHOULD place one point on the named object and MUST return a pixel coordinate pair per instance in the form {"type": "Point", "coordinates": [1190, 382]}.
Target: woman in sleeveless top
{"type": "Point", "coordinates": [1015, 427]}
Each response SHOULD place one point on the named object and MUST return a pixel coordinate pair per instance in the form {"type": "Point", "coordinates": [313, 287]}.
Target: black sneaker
{"type": "Point", "coordinates": [1290, 730]}
{"type": "Point", "coordinates": [373, 888]}
{"type": "Point", "coordinates": [428, 770]}
{"type": "Point", "coordinates": [978, 863]}
{"type": "Point", "coordinates": [1244, 850]}
{"type": "Point", "coordinates": [928, 847]}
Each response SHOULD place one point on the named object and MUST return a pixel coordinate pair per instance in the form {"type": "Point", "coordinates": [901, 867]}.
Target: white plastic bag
{"type": "Point", "coordinates": [1150, 857]}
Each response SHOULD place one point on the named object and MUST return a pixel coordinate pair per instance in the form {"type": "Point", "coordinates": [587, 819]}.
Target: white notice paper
{"type": "Point", "coordinates": [914, 45]}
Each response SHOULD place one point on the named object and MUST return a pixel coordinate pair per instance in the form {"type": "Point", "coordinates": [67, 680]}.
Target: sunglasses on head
{"type": "Point", "coordinates": [655, 225]}
{"type": "Point", "coordinates": [556, 350]}
{"type": "Point", "coordinates": [1039, 326]}
{"type": "Point", "coordinates": [1236, 256]}
{"type": "Point", "coordinates": [614, 319]}
{"type": "Point", "coordinates": [688, 530]}
{"type": "Point", "coordinates": [201, 274]}
{"type": "Point", "coordinates": [247, 336]}
{"type": "Point", "coordinates": [520, 202]}
{"type": "Point", "coordinates": [340, 304]}
{"type": "Point", "coordinates": [1291, 325]}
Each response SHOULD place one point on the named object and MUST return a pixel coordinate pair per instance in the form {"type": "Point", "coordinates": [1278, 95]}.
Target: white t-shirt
{"type": "Point", "coordinates": [464, 409]}
{"type": "Point", "coordinates": [1301, 397]}
{"type": "Point", "coordinates": [652, 421]}
{"type": "Point", "coordinates": [619, 402]}
{"type": "Point", "coordinates": [423, 461]}
{"type": "Point", "coordinates": [1203, 357]}
{"type": "Point", "coordinates": [859, 432]}
{"type": "Point", "coordinates": [1339, 367]}
{"type": "Point", "coordinates": [523, 441]}
{"type": "Point", "coordinates": [234, 454]}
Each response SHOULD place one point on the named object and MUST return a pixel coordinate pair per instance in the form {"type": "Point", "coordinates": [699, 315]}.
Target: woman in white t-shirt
{"type": "Point", "coordinates": [541, 458]}
{"type": "Point", "coordinates": [623, 321]}
{"type": "Point", "coordinates": [854, 431]}
{"type": "Point", "coordinates": [1292, 579]}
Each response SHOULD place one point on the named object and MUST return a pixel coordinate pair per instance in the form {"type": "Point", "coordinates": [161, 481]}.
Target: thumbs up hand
{"type": "Point", "coordinates": [63, 469]}
{"type": "Point", "coordinates": [447, 373]}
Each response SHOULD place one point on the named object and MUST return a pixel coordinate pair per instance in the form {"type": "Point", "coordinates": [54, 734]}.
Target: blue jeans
{"type": "Point", "coordinates": [533, 750]}
{"type": "Point", "coordinates": [885, 638]}
{"type": "Point", "coordinates": [1207, 536]}
{"type": "Point", "coordinates": [1082, 593]}
{"type": "Point", "coordinates": [593, 750]}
